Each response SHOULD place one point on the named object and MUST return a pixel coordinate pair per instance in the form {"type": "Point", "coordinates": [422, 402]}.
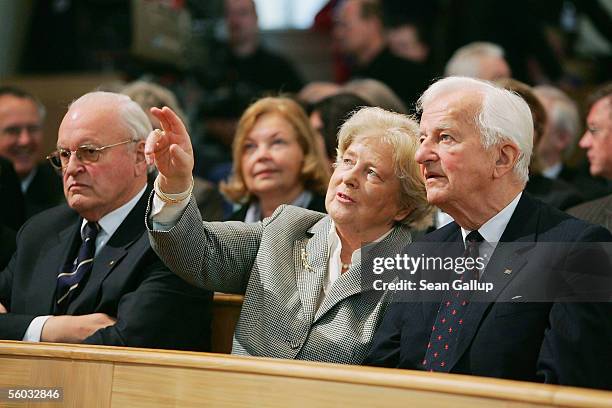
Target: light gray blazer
{"type": "Point", "coordinates": [279, 265]}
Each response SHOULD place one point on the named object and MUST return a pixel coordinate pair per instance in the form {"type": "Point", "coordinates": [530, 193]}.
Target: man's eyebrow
{"type": "Point", "coordinates": [439, 127]}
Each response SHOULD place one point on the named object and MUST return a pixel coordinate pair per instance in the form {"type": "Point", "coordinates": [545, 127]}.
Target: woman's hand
{"type": "Point", "coordinates": [171, 152]}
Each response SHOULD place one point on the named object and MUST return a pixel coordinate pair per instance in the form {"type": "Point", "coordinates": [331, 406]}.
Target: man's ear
{"type": "Point", "coordinates": [141, 165]}
{"type": "Point", "coordinates": [507, 155]}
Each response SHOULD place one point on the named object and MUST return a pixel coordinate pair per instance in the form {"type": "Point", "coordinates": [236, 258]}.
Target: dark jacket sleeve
{"type": "Point", "coordinates": [163, 312]}
{"type": "Point", "coordinates": [12, 325]}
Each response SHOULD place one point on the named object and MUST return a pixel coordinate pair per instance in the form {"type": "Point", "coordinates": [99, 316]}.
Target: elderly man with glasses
{"type": "Point", "coordinates": [85, 273]}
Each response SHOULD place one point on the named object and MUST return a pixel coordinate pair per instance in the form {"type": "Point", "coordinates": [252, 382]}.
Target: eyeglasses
{"type": "Point", "coordinates": [86, 154]}
{"type": "Point", "coordinates": [15, 131]}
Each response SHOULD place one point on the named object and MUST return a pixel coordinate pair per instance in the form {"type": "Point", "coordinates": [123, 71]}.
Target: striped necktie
{"type": "Point", "coordinates": [69, 278]}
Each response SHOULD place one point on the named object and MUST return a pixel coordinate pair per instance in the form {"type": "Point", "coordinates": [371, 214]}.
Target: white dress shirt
{"type": "Point", "coordinates": [553, 171]}
{"type": "Point", "coordinates": [108, 225]}
{"type": "Point", "coordinates": [492, 230]}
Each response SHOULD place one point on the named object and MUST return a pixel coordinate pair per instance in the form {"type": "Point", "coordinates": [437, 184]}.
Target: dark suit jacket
{"type": "Point", "coordinates": [45, 191]}
{"type": "Point", "coordinates": [552, 342]}
{"type": "Point", "coordinates": [554, 192]}
{"type": "Point", "coordinates": [11, 210]}
{"type": "Point", "coordinates": [11, 202]}
{"type": "Point", "coordinates": [590, 187]}
{"type": "Point", "coordinates": [153, 307]}
{"type": "Point", "coordinates": [597, 211]}
{"type": "Point", "coordinates": [316, 204]}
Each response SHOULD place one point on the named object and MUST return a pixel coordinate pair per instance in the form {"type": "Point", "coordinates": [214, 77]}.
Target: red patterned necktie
{"type": "Point", "coordinates": [446, 329]}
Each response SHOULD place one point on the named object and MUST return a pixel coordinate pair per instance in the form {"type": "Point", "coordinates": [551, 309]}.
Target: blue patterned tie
{"type": "Point", "coordinates": [68, 280]}
{"type": "Point", "coordinates": [446, 329]}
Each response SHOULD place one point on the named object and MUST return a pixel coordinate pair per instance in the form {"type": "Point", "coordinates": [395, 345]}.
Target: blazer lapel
{"type": "Point", "coordinates": [55, 253]}
{"type": "Point", "coordinates": [354, 281]}
{"type": "Point", "coordinates": [310, 257]}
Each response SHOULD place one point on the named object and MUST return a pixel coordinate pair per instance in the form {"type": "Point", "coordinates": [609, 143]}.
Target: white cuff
{"type": "Point", "coordinates": [165, 215]}
{"type": "Point", "coordinates": [35, 329]}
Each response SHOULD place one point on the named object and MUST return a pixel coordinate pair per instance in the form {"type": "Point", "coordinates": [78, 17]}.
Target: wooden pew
{"type": "Point", "coordinates": [226, 311]}
{"type": "Point", "coordinates": [96, 376]}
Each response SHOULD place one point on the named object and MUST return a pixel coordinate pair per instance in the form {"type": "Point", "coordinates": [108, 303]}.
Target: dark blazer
{"type": "Point", "coordinates": [11, 199]}
{"type": "Point", "coordinates": [45, 191]}
{"type": "Point", "coordinates": [153, 307]}
{"type": "Point", "coordinates": [316, 204]}
{"type": "Point", "coordinates": [554, 192]}
{"type": "Point", "coordinates": [552, 342]}
{"type": "Point", "coordinates": [597, 211]}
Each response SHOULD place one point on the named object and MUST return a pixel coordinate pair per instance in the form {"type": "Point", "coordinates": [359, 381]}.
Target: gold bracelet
{"type": "Point", "coordinates": [165, 198]}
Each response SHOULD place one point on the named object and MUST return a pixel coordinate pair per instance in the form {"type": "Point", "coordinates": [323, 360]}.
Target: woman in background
{"type": "Point", "coordinates": [275, 161]}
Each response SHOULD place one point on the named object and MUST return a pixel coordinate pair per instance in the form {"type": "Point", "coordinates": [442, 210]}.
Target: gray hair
{"type": "Point", "coordinates": [134, 118]}
{"type": "Point", "coordinates": [376, 93]}
{"type": "Point", "coordinates": [502, 116]}
{"type": "Point", "coordinates": [22, 94]}
{"type": "Point", "coordinates": [563, 115]}
{"type": "Point", "coordinates": [466, 60]}
{"type": "Point", "coordinates": [401, 132]}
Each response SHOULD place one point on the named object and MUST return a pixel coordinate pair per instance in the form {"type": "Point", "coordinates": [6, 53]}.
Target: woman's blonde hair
{"type": "Point", "coordinates": [315, 172]}
{"type": "Point", "coordinates": [402, 133]}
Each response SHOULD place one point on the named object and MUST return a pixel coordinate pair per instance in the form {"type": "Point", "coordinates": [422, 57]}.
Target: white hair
{"type": "Point", "coordinates": [563, 115]}
{"type": "Point", "coordinates": [466, 60]}
{"type": "Point", "coordinates": [502, 116]}
{"type": "Point", "coordinates": [134, 119]}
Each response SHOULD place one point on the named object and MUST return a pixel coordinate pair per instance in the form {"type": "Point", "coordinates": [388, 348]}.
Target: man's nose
{"type": "Point", "coordinates": [73, 166]}
{"type": "Point", "coordinates": [585, 140]}
{"type": "Point", "coordinates": [25, 136]}
{"type": "Point", "coordinates": [425, 152]}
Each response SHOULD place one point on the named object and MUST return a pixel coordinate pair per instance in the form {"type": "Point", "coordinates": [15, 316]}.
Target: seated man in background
{"type": "Point", "coordinates": [21, 136]}
{"type": "Point", "coordinates": [597, 141]}
{"type": "Point", "coordinates": [85, 273]}
{"type": "Point", "coordinates": [361, 39]}
{"type": "Point", "coordinates": [559, 141]}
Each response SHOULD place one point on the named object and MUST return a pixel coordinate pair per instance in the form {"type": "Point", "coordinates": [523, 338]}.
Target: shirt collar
{"type": "Point", "coordinates": [493, 229]}
{"type": "Point", "coordinates": [27, 180]}
{"type": "Point", "coordinates": [553, 171]}
{"type": "Point", "coordinates": [111, 221]}
{"type": "Point", "coordinates": [333, 239]}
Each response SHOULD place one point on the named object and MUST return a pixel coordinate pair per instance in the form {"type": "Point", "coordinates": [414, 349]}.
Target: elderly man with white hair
{"type": "Point", "coordinates": [85, 272]}
{"type": "Point", "coordinates": [509, 314]}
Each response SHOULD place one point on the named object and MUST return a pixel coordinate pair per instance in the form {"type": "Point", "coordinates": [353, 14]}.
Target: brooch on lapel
{"type": "Point", "coordinates": [305, 261]}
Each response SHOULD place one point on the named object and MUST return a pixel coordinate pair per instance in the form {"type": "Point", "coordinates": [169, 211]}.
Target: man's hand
{"type": "Point", "coordinates": [74, 329]}
{"type": "Point", "coordinates": [171, 152]}
{"type": "Point", "coordinates": [2, 308]}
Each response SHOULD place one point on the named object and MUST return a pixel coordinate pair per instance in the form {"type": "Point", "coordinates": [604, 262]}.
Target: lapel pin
{"type": "Point", "coordinates": [111, 263]}
{"type": "Point", "coordinates": [305, 261]}
{"type": "Point", "coordinates": [508, 271]}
